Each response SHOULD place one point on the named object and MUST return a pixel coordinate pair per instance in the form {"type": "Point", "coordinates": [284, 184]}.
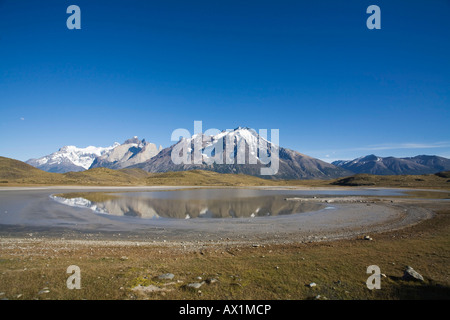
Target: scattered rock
{"type": "Point", "coordinates": [45, 290]}
{"type": "Point", "coordinates": [166, 276]}
{"type": "Point", "coordinates": [212, 280]}
{"type": "Point", "coordinates": [312, 284]}
{"type": "Point", "coordinates": [368, 238]}
{"type": "Point", "coordinates": [196, 285]}
{"type": "Point", "coordinates": [411, 274]}
{"type": "Point", "coordinates": [255, 245]}
{"type": "Point", "coordinates": [149, 288]}
{"type": "Point", "coordinates": [123, 258]}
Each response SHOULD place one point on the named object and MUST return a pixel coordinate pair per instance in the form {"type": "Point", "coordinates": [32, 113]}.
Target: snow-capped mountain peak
{"type": "Point", "coordinates": [70, 158]}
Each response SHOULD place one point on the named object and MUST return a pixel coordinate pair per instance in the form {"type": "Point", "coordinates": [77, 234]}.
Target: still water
{"type": "Point", "coordinates": [209, 203]}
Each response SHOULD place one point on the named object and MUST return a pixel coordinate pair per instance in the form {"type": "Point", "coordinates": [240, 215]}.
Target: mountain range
{"type": "Point", "coordinates": [70, 158]}
{"type": "Point", "coordinates": [131, 152]}
{"type": "Point", "coordinates": [117, 156]}
{"type": "Point", "coordinates": [135, 153]}
{"type": "Point", "coordinates": [371, 164]}
{"type": "Point", "coordinates": [292, 164]}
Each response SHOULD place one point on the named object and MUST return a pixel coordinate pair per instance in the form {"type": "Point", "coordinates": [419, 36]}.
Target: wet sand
{"type": "Point", "coordinates": [31, 211]}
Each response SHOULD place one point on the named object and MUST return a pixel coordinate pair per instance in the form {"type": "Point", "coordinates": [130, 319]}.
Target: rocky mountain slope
{"type": "Point", "coordinates": [131, 152]}
{"type": "Point", "coordinates": [292, 164]}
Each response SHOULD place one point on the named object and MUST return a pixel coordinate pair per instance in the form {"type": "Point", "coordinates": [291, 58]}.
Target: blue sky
{"type": "Point", "coordinates": [312, 69]}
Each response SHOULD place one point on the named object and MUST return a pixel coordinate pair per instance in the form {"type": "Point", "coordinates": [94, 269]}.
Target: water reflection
{"type": "Point", "coordinates": [189, 208]}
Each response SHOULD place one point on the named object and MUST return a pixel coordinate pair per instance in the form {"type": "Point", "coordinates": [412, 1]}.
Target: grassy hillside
{"type": "Point", "coordinates": [104, 176]}
{"type": "Point", "coordinates": [438, 180]}
{"type": "Point", "coordinates": [206, 178]}
{"type": "Point", "coordinates": [14, 172]}
{"type": "Point", "coordinates": [19, 172]}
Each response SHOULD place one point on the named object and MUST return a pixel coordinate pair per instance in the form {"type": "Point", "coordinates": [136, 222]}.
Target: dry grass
{"type": "Point", "coordinates": [206, 178]}
{"type": "Point", "coordinates": [438, 181]}
{"type": "Point", "coordinates": [91, 196]}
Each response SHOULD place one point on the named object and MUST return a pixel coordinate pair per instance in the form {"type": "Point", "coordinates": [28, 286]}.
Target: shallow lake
{"type": "Point", "coordinates": [209, 203]}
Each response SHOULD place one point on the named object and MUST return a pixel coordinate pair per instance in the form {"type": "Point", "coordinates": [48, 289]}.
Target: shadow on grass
{"type": "Point", "coordinates": [414, 290]}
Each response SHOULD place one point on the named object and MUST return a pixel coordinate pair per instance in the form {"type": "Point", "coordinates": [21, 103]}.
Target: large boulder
{"type": "Point", "coordinates": [411, 274]}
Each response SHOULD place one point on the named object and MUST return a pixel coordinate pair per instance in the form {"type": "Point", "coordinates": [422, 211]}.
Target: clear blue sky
{"type": "Point", "coordinates": [311, 69]}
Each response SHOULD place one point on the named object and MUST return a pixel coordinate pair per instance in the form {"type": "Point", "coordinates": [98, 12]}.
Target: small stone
{"type": "Point", "coordinates": [212, 280]}
{"type": "Point", "coordinates": [199, 278]}
{"type": "Point", "coordinates": [123, 258]}
{"type": "Point", "coordinates": [45, 290]}
{"type": "Point", "coordinates": [195, 285]}
{"type": "Point", "coordinates": [166, 276]}
{"type": "Point", "coordinates": [368, 238]}
{"type": "Point", "coordinates": [149, 288]}
{"type": "Point", "coordinates": [312, 284]}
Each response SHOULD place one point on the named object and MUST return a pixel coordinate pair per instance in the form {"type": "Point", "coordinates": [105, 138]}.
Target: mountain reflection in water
{"type": "Point", "coordinates": [176, 208]}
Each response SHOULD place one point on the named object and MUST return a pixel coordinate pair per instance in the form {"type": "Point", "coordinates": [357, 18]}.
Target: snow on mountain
{"type": "Point", "coordinates": [70, 158]}
{"type": "Point", "coordinates": [131, 152]}
{"type": "Point", "coordinates": [292, 164]}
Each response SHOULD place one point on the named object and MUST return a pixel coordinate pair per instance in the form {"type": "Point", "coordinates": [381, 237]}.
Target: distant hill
{"type": "Point", "coordinates": [417, 165]}
{"type": "Point", "coordinates": [18, 171]}
{"type": "Point", "coordinates": [439, 180]}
